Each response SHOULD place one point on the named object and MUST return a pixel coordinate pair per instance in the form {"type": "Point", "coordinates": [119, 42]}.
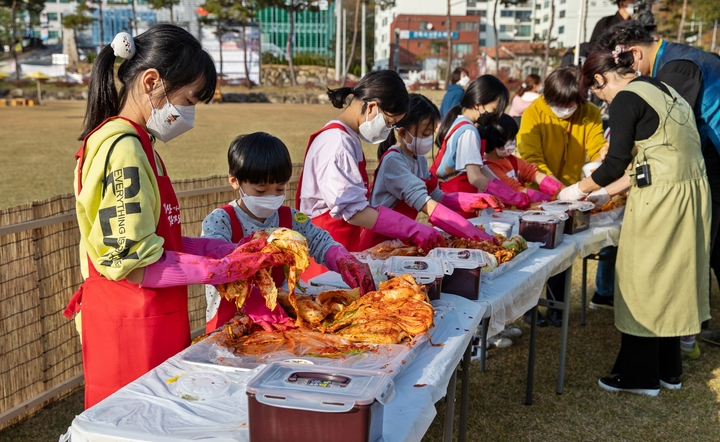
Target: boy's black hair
{"type": "Point", "coordinates": [259, 158]}
{"type": "Point", "coordinates": [497, 134]}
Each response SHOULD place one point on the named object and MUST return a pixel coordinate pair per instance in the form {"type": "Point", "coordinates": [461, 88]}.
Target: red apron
{"type": "Point", "coordinates": [341, 231]}
{"type": "Point", "coordinates": [227, 310]}
{"type": "Point", "coordinates": [370, 238]}
{"type": "Point", "coordinates": [127, 330]}
{"type": "Point", "coordinates": [458, 183]}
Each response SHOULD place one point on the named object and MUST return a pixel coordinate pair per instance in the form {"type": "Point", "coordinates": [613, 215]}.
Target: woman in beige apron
{"type": "Point", "coordinates": [662, 264]}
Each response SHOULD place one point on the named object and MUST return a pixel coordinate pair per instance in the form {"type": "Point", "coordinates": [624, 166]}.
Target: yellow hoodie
{"type": "Point", "coordinates": [548, 141]}
{"type": "Point", "coordinates": [119, 206]}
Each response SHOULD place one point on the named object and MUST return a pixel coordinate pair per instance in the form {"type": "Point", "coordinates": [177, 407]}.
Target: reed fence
{"type": "Point", "coordinates": [40, 354]}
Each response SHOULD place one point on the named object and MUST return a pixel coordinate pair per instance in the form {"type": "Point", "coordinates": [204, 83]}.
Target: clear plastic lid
{"type": "Point", "coordinates": [424, 270]}
{"type": "Point", "coordinates": [203, 385]}
{"type": "Point", "coordinates": [460, 258]}
{"type": "Point", "coordinates": [583, 206]}
{"type": "Point", "coordinates": [320, 388]}
{"type": "Point", "coordinates": [538, 216]}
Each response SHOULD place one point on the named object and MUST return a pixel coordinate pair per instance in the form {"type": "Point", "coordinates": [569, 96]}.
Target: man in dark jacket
{"type": "Point", "coordinates": [455, 91]}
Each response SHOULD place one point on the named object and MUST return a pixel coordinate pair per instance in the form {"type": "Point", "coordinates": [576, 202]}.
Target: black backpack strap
{"type": "Point", "coordinates": [110, 151]}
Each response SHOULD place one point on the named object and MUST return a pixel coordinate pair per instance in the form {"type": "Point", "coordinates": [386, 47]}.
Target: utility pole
{"type": "Point", "coordinates": [576, 59]}
{"type": "Point", "coordinates": [681, 29]}
{"type": "Point", "coordinates": [699, 36]}
{"type": "Point", "coordinates": [449, 48]}
{"type": "Point", "coordinates": [712, 45]}
{"type": "Point", "coordinates": [338, 44]}
{"type": "Point", "coordinates": [363, 53]}
{"type": "Point", "coordinates": [344, 43]}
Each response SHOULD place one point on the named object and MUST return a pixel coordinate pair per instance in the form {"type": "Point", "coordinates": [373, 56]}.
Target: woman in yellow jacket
{"type": "Point", "coordinates": [560, 131]}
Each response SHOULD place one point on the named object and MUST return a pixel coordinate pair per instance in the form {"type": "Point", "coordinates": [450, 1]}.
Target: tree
{"type": "Point", "coordinates": [292, 7]}
{"type": "Point", "coordinates": [449, 47]}
{"type": "Point", "coordinates": [354, 40]}
{"type": "Point", "coordinates": [546, 61]}
{"type": "Point", "coordinates": [34, 8]}
{"type": "Point", "coordinates": [165, 4]}
{"type": "Point", "coordinates": [78, 21]}
{"type": "Point", "coordinates": [497, 40]}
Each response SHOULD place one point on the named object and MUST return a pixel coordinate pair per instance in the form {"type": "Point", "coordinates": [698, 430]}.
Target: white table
{"type": "Point", "coordinates": [147, 409]}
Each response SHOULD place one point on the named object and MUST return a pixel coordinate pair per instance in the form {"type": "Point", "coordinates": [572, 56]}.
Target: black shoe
{"type": "Point", "coordinates": [710, 336]}
{"type": "Point", "coordinates": [602, 302]}
{"type": "Point", "coordinates": [555, 317]}
{"type": "Point", "coordinates": [541, 322]}
{"type": "Point", "coordinates": [615, 385]}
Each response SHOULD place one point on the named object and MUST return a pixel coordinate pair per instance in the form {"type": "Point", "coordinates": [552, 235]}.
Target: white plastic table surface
{"type": "Point", "coordinates": [148, 410]}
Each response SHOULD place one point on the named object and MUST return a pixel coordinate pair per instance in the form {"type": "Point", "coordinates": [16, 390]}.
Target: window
{"type": "Point", "coordinates": [546, 18]}
{"type": "Point", "coordinates": [52, 16]}
{"type": "Point", "coordinates": [562, 14]}
{"type": "Point", "coordinates": [523, 16]}
{"type": "Point", "coordinates": [471, 3]}
{"type": "Point", "coordinates": [544, 34]}
{"type": "Point", "coordinates": [482, 13]}
{"type": "Point", "coordinates": [384, 21]}
{"type": "Point", "coordinates": [546, 4]}
{"type": "Point", "coordinates": [506, 28]}
{"type": "Point", "coordinates": [482, 42]}
{"type": "Point", "coordinates": [506, 13]}
{"type": "Point", "coordinates": [419, 44]}
{"type": "Point", "coordinates": [384, 53]}
{"type": "Point", "coordinates": [538, 7]}
{"type": "Point", "coordinates": [536, 37]}
{"type": "Point", "coordinates": [383, 39]}
{"type": "Point", "coordinates": [462, 48]}
{"type": "Point", "coordinates": [423, 25]}
{"type": "Point", "coordinates": [561, 30]}
{"type": "Point", "coordinates": [537, 21]}
{"type": "Point", "coordinates": [523, 31]}
{"type": "Point", "coordinates": [53, 35]}
{"type": "Point", "coordinates": [483, 27]}
{"type": "Point", "coordinates": [562, 2]}
{"type": "Point", "coordinates": [466, 26]}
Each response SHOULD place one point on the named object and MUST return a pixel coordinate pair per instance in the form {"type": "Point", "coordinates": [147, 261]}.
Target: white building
{"type": "Point", "coordinates": [567, 19]}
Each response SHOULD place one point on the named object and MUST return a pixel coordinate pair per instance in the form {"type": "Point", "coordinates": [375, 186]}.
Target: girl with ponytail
{"type": "Point", "coordinates": [528, 92]}
{"type": "Point", "coordinates": [333, 184]}
{"type": "Point", "coordinates": [403, 182]}
{"type": "Point", "coordinates": [459, 164]}
{"type": "Point", "coordinates": [134, 260]}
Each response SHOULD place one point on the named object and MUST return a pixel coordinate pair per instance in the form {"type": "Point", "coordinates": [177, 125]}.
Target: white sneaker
{"type": "Point", "coordinates": [511, 332]}
{"type": "Point", "coordinates": [498, 341]}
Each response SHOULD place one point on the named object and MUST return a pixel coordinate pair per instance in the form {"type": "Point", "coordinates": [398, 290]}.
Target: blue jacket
{"type": "Point", "coordinates": [707, 107]}
{"type": "Point", "coordinates": [452, 97]}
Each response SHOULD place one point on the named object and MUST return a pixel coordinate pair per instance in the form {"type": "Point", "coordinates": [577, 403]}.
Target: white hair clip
{"type": "Point", "coordinates": [123, 45]}
{"type": "Point", "coordinates": [524, 86]}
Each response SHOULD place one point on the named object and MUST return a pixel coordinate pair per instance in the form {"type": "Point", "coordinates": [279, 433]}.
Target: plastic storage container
{"type": "Point", "coordinates": [578, 213]}
{"type": "Point", "coordinates": [295, 403]}
{"type": "Point", "coordinates": [426, 271]}
{"type": "Point", "coordinates": [545, 227]}
{"type": "Point", "coordinates": [467, 265]}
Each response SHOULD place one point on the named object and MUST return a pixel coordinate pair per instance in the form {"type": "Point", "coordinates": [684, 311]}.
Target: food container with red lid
{"type": "Point", "coordinates": [578, 213]}
{"type": "Point", "coordinates": [426, 271]}
{"type": "Point", "coordinates": [299, 403]}
{"type": "Point", "coordinates": [467, 265]}
{"type": "Point", "coordinates": [545, 227]}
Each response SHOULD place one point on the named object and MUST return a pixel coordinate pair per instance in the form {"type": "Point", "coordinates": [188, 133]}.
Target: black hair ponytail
{"type": "Point", "coordinates": [421, 109]}
{"type": "Point", "coordinates": [386, 87]}
{"type": "Point", "coordinates": [497, 134]}
{"type": "Point", "coordinates": [483, 90]}
{"type": "Point", "coordinates": [173, 51]}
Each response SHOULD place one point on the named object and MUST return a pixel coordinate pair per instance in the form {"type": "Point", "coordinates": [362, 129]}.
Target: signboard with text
{"type": "Point", "coordinates": [427, 35]}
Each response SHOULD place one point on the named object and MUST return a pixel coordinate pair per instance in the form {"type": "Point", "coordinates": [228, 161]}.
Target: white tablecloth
{"type": "Point", "coordinates": [148, 410]}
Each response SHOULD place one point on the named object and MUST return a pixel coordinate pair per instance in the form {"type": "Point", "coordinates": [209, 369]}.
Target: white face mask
{"type": "Point", "coordinates": [420, 146]}
{"type": "Point", "coordinates": [507, 150]}
{"type": "Point", "coordinates": [464, 81]}
{"type": "Point", "coordinates": [630, 9]}
{"type": "Point", "coordinates": [170, 121]}
{"type": "Point", "coordinates": [262, 206]}
{"type": "Point", "coordinates": [375, 131]}
{"type": "Point", "coordinates": [563, 112]}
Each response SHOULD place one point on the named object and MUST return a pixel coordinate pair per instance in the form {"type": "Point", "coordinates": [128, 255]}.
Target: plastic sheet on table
{"type": "Point", "coordinates": [509, 265]}
{"type": "Point", "coordinates": [386, 249]}
{"type": "Point", "coordinates": [606, 218]}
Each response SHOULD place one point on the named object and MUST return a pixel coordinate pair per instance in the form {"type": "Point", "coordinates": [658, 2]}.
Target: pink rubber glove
{"type": "Point", "coordinates": [550, 185]}
{"type": "Point", "coordinates": [353, 272]}
{"type": "Point", "coordinates": [269, 320]}
{"type": "Point", "coordinates": [395, 225]}
{"type": "Point", "coordinates": [456, 225]}
{"type": "Point", "coordinates": [209, 247]}
{"type": "Point", "coordinates": [470, 202]}
{"type": "Point", "coordinates": [175, 268]}
{"type": "Point", "coordinates": [537, 197]}
{"type": "Point", "coordinates": [507, 195]}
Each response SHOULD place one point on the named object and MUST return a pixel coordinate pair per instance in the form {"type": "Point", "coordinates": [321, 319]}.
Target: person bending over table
{"type": "Point", "coordinates": [662, 262]}
{"type": "Point", "coordinates": [558, 131]}
{"type": "Point", "coordinates": [695, 75]}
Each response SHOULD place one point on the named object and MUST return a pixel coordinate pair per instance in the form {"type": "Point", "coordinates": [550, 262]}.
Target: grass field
{"type": "Point", "coordinates": [497, 411]}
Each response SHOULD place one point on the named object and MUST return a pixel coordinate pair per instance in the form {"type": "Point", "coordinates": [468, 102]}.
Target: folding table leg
{"type": "Point", "coordinates": [464, 393]}
{"type": "Point", "coordinates": [450, 408]}
{"type": "Point", "coordinates": [583, 303]}
{"type": "Point", "coordinates": [563, 337]}
{"type": "Point", "coordinates": [483, 343]}
{"type": "Point", "coordinates": [531, 357]}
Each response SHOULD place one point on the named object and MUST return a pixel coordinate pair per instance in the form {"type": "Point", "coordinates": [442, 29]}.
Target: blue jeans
{"type": "Point", "coordinates": [605, 276]}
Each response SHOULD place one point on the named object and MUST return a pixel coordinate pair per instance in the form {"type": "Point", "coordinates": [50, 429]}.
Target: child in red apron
{"type": "Point", "coordinates": [259, 170]}
{"type": "Point", "coordinates": [134, 260]}
{"type": "Point", "coordinates": [403, 182]}
{"type": "Point", "coordinates": [459, 164]}
{"type": "Point", "coordinates": [333, 186]}
{"type": "Point", "coordinates": [515, 172]}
